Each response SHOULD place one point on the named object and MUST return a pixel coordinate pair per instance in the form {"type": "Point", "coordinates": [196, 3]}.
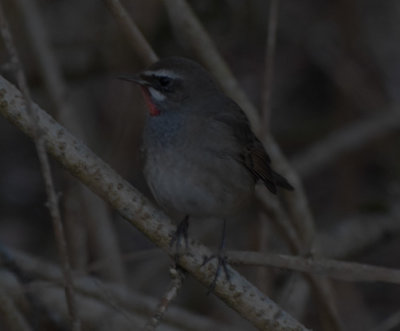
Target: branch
{"type": "Point", "coordinates": [269, 62]}
{"type": "Point", "coordinates": [241, 295]}
{"type": "Point", "coordinates": [349, 271]}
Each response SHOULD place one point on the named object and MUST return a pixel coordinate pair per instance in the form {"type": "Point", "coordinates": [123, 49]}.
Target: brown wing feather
{"type": "Point", "coordinates": [253, 154]}
{"type": "Point", "coordinates": [258, 162]}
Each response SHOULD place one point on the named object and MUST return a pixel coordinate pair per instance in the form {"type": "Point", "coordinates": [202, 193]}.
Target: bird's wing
{"type": "Point", "coordinates": [252, 153]}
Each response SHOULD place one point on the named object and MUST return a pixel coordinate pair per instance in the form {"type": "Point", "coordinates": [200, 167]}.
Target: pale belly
{"type": "Point", "coordinates": [195, 189]}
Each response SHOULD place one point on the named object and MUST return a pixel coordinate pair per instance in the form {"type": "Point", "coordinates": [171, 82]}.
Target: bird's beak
{"type": "Point", "coordinates": [138, 79]}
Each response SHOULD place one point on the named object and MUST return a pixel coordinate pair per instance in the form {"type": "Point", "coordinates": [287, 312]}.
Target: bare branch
{"type": "Point", "coordinates": [349, 271]}
{"type": "Point", "coordinates": [265, 117]}
{"type": "Point", "coordinates": [269, 62]}
{"type": "Point", "coordinates": [99, 177]}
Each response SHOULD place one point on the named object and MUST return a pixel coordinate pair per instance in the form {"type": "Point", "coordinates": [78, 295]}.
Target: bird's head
{"type": "Point", "coordinates": [173, 84]}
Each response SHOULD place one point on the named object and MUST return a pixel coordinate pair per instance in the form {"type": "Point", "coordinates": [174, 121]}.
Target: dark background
{"type": "Point", "coordinates": [336, 65]}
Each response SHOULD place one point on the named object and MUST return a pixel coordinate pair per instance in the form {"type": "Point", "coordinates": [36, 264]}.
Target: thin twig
{"type": "Point", "coordinates": [134, 36]}
{"type": "Point", "coordinates": [265, 117]}
{"type": "Point", "coordinates": [269, 62]}
{"type": "Point", "coordinates": [177, 278]}
{"type": "Point", "coordinates": [349, 271]}
{"type": "Point", "coordinates": [37, 135]}
{"type": "Point", "coordinates": [99, 177]}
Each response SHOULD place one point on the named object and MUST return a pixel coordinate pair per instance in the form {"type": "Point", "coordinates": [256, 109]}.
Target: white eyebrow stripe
{"type": "Point", "coordinates": [162, 73]}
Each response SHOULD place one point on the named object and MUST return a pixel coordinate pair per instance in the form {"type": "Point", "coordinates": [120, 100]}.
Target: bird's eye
{"type": "Point", "coordinates": [164, 81]}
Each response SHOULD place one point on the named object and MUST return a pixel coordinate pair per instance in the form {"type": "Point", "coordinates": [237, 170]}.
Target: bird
{"type": "Point", "coordinates": [201, 157]}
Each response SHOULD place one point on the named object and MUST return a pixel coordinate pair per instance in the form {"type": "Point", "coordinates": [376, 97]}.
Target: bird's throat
{"type": "Point", "coordinates": [150, 104]}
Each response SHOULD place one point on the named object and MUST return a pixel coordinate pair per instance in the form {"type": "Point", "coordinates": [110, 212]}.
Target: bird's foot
{"type": "Point", "coordinates": [222, 263]}
{"type": "Point", "coordinates": [176, 240]}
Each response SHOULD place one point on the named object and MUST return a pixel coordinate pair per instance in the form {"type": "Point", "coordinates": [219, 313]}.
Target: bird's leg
{"type": "Point", "coordinates": [181, 231]}
{"type": "Point", "coordinates": [222, 261]}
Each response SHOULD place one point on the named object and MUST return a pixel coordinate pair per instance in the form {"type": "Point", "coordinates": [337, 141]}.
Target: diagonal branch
{"type": "Point", "coordinates": [239, 294]}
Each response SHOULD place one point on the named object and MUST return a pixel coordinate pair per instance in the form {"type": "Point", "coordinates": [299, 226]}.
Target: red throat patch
{"type": "Point", "coordinates": [152, 107]}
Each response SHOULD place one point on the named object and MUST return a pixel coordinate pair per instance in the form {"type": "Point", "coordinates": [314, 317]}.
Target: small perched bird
{"type": "Point", "coordinates": [201, 157]}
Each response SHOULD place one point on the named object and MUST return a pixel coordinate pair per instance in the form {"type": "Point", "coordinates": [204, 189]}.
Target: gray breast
{"type": "Point", "coordinates": [194, 172]}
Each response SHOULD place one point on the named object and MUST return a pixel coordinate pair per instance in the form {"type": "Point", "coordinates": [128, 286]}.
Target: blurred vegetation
{"type": "Point", "coordinates": [337, 63]}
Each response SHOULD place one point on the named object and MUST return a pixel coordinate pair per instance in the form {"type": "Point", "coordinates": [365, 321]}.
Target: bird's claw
{"type": "Point", "coordinates": [222, 262]}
